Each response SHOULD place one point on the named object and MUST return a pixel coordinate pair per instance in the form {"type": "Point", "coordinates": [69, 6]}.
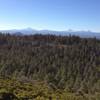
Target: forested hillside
{"type": "Point", "coordinates": [64, 63]}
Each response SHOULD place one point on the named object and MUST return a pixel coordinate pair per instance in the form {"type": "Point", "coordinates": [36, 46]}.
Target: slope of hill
{"type": "Point", "coordinates": [66, 63]}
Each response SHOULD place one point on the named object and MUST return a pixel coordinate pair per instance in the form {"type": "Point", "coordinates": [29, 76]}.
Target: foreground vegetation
{"type": "Point", "coordinates": [11, 89]}
{"type": "Point", "coordinates": [49, 67]}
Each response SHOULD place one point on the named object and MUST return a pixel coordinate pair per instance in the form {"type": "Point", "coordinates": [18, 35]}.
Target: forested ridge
{"type": "Point", "coordinates": [65, 63]}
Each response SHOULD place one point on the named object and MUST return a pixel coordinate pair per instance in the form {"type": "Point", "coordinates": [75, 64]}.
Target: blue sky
{"type": "Point", "coordinates": [50, 14]}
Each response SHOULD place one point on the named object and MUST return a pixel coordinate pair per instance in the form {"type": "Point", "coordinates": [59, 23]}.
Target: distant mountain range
{"type": "Point", "coordinates": [29, 31]}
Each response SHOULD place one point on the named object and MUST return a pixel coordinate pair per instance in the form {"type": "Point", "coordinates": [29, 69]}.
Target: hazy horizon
{"type": "Point", "coordinates": [29, 28]}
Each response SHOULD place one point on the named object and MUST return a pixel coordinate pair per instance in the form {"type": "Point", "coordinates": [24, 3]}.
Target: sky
{"type": "Point", "coordinates": [50, 14]}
